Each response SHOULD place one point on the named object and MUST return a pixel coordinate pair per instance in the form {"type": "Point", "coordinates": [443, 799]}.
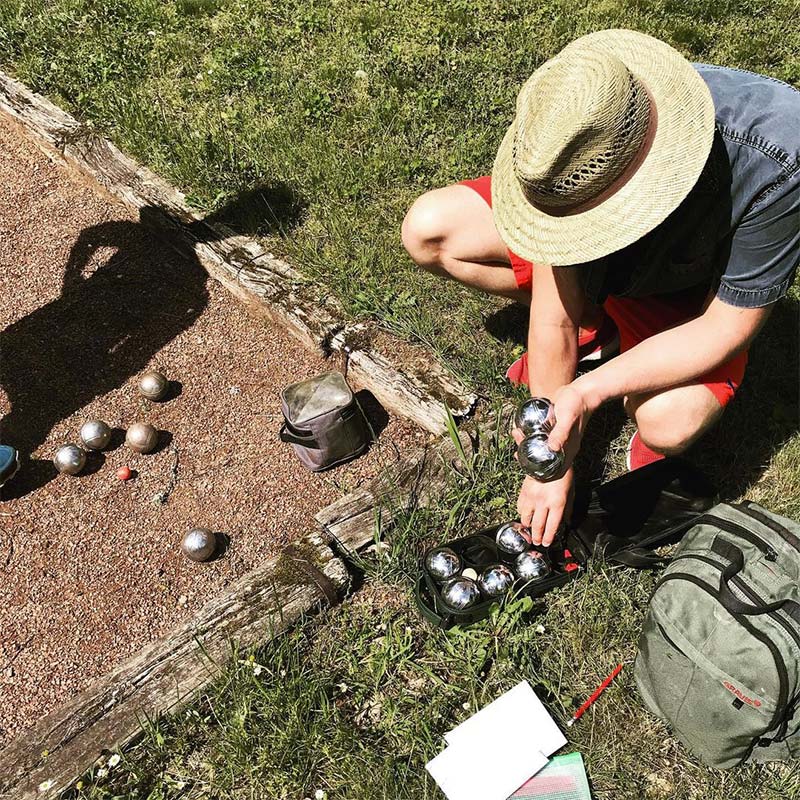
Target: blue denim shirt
{"type": "Point", "coordinates": [739, 228]}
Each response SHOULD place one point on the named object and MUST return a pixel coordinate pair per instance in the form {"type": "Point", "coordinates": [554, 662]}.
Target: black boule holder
{"type": "Point", "coordinates": [620, 521]}
{"type": "Point", "coordinates": [566, 558]}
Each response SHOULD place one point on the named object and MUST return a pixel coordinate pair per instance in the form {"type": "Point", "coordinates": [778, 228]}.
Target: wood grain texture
{"type": "Point", "coordinates": [355, 520]}
{"type": "Point", "coordinates": [268, 286]}
{"type": "Point", "coordinates": [165, 675]}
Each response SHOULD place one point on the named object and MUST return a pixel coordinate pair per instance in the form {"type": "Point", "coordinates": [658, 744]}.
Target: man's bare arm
{"type": "Point", "coordinates": [675, 356]}
{"type": "Point", "coordinates": [557, 305]}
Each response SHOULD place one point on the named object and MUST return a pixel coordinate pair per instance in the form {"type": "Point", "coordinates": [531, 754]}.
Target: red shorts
{"type": "Point", "coordinates": [638, 318]}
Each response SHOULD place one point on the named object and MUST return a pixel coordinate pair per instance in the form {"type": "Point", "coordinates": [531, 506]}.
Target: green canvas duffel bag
{"type": "Point", "coordinates": [719, 656]}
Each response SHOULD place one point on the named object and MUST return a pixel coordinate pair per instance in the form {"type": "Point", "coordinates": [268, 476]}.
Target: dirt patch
{"type": "Point", "coordinates": [91, 568]}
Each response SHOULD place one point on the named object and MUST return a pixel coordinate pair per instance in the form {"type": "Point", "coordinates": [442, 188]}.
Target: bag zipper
{"type": "Point", "coordinates": [747, 508]}
{"type": "Point", "coordinates": [751, 595]}
{"type": "Point", "coordinates": [739, 530]}
{"type": "Point", "coordinates": [780, 664]}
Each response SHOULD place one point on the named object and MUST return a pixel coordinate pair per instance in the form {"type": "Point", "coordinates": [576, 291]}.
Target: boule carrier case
{"type": "Point", "coordinates": [323, 421]}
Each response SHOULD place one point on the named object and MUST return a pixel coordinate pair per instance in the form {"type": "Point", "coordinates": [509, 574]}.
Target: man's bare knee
{"type": "Point", "coordinates": [424, 230]}
{"type": "Point", "coordinates": [670, 422]}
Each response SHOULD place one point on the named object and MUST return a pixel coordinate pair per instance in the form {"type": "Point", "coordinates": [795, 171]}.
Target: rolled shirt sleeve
{"type": "Point", "coordinates": [764, 249]}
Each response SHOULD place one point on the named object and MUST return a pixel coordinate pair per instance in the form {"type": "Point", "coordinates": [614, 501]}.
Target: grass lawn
{"type": "Point", "coordinates": [340, 113]}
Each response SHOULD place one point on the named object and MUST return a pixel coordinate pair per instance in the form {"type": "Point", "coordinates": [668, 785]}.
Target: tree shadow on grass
{"type": "Point", "coordinates": [112, 316]}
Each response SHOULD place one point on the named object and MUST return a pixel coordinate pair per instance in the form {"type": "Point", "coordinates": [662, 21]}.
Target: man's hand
{"type": "Point", "coordinates": [542, 506]}
{"type": "Point", "coordinates": [572, 413]}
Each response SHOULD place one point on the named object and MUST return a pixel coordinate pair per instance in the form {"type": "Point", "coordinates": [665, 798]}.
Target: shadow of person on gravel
{"type": "Point", "coordinates": [115, 312]}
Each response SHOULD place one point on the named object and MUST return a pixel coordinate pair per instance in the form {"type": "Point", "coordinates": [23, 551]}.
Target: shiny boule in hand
{"type": "Point", "coordinates": [69, 459]}
{"type": "Point", "coordinates": [199, 544]}
{"type": "Point", "coordinates": [141, 437]}
{"type": "Point", "coordinates": [531, 566]}
{"type": "Point", "coordinates": [153, 385]}
{"type": "Point", "coordinates": [535, 416]}
{"type": "Point", "coordinates": [495, 580]}
{"type": "Point", "coordinates": [513, 538]}
{"type": "Point", "coordinates": [538, 460]}
{"type": "Point", "coordinates": [95, 434]}
{"type": "Point", "coordinates": [460, 592]}
{"type": "Point", "coordinates": [442, 563]}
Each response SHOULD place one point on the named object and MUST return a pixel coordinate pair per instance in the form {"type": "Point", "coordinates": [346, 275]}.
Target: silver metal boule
{"type": "Point", "coordinates": [495, 580]}
{"type": "Point", "coordinates": [538, 460]}
{"type": "Point", "coordinates": [153, 385]}
{"type": "Point", "coordinates": [460, 592]}
{"type": "Point", "coordinates": [531, 566]}
{"type": "Point", "coordinates": [442, 563]}
{"type": "Point", "coordinates": [141, 437]}
{"type": "Point", "coordinates": [95, 434]}
{"type": "Point", "coordinates": [535, 416]}
{"type": "Point", "coordinates": [199, 544]}
{"type": "Point", "coordinates": [69, 459]}
{"type": "Point", "coordinates": [513, 538]}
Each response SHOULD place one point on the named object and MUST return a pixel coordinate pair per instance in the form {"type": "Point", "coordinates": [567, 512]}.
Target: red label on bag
{"type": "Point", "coordinates": [741, 695]}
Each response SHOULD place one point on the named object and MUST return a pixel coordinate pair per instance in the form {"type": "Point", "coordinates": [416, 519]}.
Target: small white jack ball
{"type": "Point", "coordinates": [153, 385]}
{"type": "Point", "coordinates": [141, 437]}
{"type": "Point", "coordinates": [199, 544]}
{"type": "Point", "coordinates": [95, 434]}
{"type": "Point", "coordinates": [69, 459]}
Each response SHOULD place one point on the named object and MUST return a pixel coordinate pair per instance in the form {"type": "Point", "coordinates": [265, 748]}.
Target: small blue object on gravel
{"type": "Point", "coordinates": [9, 463]}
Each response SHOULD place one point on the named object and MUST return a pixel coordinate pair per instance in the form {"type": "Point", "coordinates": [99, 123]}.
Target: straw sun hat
{"type": "Point", "coordinates": [608, 138]}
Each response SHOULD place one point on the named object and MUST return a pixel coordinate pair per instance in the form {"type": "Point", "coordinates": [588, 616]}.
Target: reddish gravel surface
{"type": "Point", "coordinates": [90, 568]}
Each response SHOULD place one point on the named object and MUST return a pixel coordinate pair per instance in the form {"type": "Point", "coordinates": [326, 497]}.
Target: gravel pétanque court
{"type": "Point", "coordinates": [90, 567]}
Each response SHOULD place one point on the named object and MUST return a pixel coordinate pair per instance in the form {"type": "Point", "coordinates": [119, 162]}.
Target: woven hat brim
{"type": "Point", "coordinates": [671, 167]}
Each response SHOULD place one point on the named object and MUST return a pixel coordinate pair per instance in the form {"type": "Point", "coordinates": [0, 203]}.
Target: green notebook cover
{"type": "Point", "coordinates": [564, 778]}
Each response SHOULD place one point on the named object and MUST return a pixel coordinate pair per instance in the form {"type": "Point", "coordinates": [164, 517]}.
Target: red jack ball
{"type": "Point", "coordinates": [124, 473]}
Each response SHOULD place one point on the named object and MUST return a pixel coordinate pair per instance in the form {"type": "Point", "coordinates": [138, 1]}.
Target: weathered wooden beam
{"type": "Point", "coordinates": [350, 522]}
{"type": "Point", "coordinates": [268, 286]}
{"type": "Point", "coordinates": [166, 674]}
{"type": "Point", "coordinates": [415, 386]}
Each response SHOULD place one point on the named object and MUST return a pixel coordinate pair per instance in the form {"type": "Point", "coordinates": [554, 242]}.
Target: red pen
{"type": "Point", "coordinates": [595, 694]}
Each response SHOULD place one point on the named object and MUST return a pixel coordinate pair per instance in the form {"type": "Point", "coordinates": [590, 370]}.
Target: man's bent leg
{"type": "Point", "coordinates": [450, 232]}
{"type": "Point", "coordinates": [670, 421]}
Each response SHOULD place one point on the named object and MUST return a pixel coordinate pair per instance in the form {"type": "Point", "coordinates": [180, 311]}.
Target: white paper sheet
{"type": "Point", "coordinates": [490, 755]}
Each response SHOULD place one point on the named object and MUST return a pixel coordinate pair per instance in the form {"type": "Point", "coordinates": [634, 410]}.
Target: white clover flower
{"type": "Point", "coordinates": [114, 760]}
{"type": "Point", "coordinates": [319, 795]}
{"type": "Point", "coordinates": [539, 629]}
{"type": "Point", "coordinates": [102, 772]}
{"type": "Point", "coordinates": [45, 786]}
{"type": "Point", "coordinates": [466, 706]}
{"type": "Point", "coordinates": [360, 75]}
{"type": "Point", "coordinates": [257, 669]}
